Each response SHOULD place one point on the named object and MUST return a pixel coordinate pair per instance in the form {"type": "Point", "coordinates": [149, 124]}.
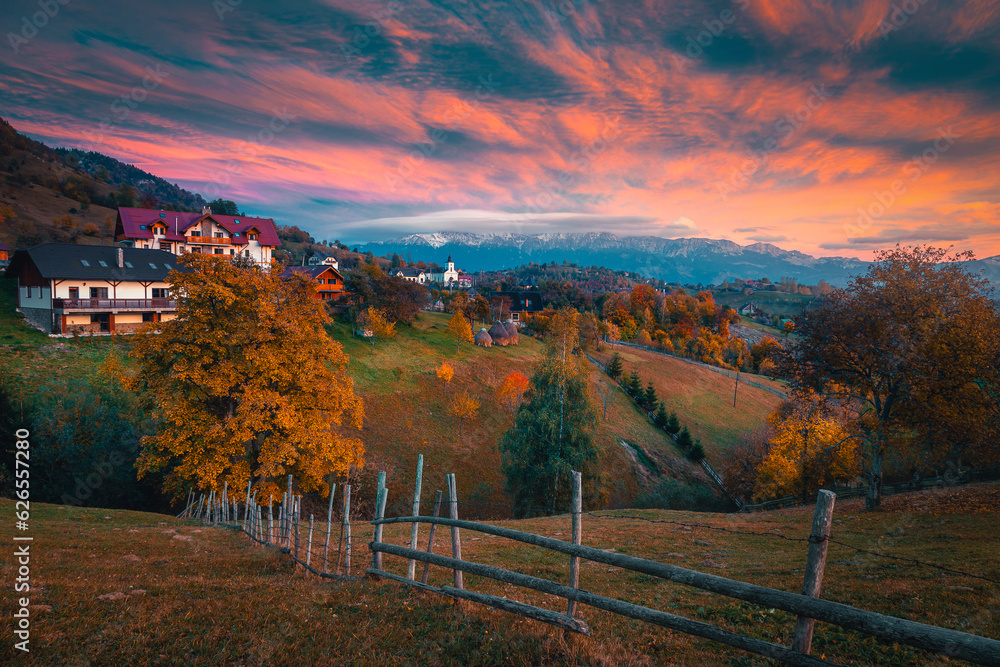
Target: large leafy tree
{"type": "Point", "coordinates": [245, 383]}
{"type": "Point", "coordinates": [552, 431]}
{"type": "Point", "coordinates": [459, 329]}
{"type": "Point", "coordinates": [910, 348]}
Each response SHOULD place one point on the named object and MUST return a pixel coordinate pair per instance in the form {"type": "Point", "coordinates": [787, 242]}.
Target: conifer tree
{"type": "Point", "coordinates": [649, 397]}
{"type": "Point", "coordinates": [615, 367]}
{"type": "Point", "coordinates": [552, 431]}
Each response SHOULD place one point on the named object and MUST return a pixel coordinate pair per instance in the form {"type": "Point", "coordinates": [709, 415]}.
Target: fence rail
{"type": "Point", "coordinates": [808, 607]}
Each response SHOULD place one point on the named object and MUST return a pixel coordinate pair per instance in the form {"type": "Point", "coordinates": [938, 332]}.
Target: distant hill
{"type": "Point", "coordinates": [695, 260]}
{"type": "Point", "coordinates": [68, 195]}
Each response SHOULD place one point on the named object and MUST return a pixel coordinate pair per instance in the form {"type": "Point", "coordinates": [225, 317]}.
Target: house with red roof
{"type": "Point", "coordinates": [207, 233]}
{"type": "Point", "coordinates": [329, 282]}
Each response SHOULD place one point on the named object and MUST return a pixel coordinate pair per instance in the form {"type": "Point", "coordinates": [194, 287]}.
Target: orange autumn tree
{"type": "Point", "coordinates": [809, 449]}
{"type": "Point", "coordinates": [245, 385]}
{"type": "Point", "coordinates": [511, 391]}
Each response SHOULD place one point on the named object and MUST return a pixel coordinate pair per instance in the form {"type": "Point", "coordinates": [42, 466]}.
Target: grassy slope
{"type": "Point", "coordinates": [414, 420]}
{"type": "Point", "coordinates": [217, 600]}
{"type": "Point", "coordinates": [702, 398]}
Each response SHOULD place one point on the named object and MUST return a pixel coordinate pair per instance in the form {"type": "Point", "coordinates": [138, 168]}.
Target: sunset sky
{"type": "Point", "coordinates": [833, 128]}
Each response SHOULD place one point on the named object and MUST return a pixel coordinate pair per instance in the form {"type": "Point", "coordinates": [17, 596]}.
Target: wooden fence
{"type": "Point", "coordinates": [808, 606]}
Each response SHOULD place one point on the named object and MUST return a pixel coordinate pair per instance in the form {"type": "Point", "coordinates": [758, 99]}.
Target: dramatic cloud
{"type": "Point", "coordinates": [822, 126]}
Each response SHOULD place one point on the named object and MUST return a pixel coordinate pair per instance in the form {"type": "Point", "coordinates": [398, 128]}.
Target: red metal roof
{"type": "Point", "coordinates": [133, 219]}
{"type": "Point", "coordinates": [311, 271]}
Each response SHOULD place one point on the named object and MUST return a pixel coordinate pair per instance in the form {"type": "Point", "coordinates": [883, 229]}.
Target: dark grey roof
{"type": "Point", "coordinates": [407, 272]}
{"type": "Point", "coordinates": [530, 302]}
{"type": "Point", "coordinates": [83, 262]}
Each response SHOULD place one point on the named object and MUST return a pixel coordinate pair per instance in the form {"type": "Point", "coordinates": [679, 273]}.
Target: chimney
{"type": "Point", "coordinates": [206, 210]}
{"type": "Point", "coordinates": [121, 258]}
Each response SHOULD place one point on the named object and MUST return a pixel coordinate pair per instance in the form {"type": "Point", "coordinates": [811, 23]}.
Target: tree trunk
{"type": "Point", "coordinates": [873, 499]}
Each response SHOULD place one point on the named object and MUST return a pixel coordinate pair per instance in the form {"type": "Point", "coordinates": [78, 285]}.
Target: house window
{"type": "Point", "coordinates": [218, 251]}
{"type": "Point", "coordinates": [152, 266]}
{"type": "Point", "coordinates": [98, 292]}
{"type": "Point", "coordinates": [218, 235]}
{"type": "Point", "coordinates": [142, 228]}
{"type": "Point", "coordinates": [514, 317]}
{"type": "Point", "coordinates": [102, 263]}
{"type": "Point", "coordinates": [27, 292]}
{"type": "Point", "coordinates": [252, 237]}
{"type": "Point", "coordinates": [85, 262]}
{"type": "Point", "coordinates": [74, 292]}
{"type": "Point", "coordinates": [160, 293]}
{"type": "Point", "coordinates": [129, 265]}
{"type": "Point", "coordinates": [147, 317]}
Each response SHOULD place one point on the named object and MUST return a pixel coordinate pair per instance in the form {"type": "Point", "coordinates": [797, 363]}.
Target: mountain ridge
{"type": "Point", "coordinates": [695, 260]}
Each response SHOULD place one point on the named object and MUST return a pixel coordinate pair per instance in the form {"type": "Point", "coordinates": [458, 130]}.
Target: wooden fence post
{"type": "Point", "coordinates": [412, 572]}
{"type": "Point", "coordinates": [281, 518]}
{"type": "Point", "coordinates": [270, 520]}
{"type": "Point", "coordinates": [288, 515]}
{"type": "Point", "coordinates": [329, 519]}
{"type": "Point", "coordinates": [201, 500]}
{"type": "Point", "coordinates": [456, 538]}
{"type": "Point", "coordinates": [816, 561]}
{"type": "Point", "coordinates": [246, 508]}
{"type": "Point", "coordinates": [380, 497]}
{"type": "Point", "coordinates": [296, 516]}
{"type": "Point", "coordinates": [574, 561]}
{"type": "Point", "coordinates": [430, 540]}
{"type": "Point", "coordinates": [309, 544]}
{"type": "Point", "coordinates": [345, 532]}
{"type": "Point", "coordinates": [224, 505]}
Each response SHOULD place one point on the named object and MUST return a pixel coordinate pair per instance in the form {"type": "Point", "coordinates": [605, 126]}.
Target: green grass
{"type": "Point", "coordinates": [218, 600]}
{"type": "Point", "coordinates": [15, 333]}
{"type": "Point", "coordinates": [702, 398]}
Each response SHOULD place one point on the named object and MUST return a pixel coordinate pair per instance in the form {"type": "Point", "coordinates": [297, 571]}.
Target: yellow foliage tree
{"type": "Point", "coordinates": [376, 326]}
{"type": "Point", "coordinates": [464, 406]}
{"type": "Point", "coordinates": [245, 384]}
{"type": "Point", "coordinates": [809, 449]}
{"type": "Point", "coordinates": [460, 329]}
{"type": "Point", "coordinates": [445, 372]}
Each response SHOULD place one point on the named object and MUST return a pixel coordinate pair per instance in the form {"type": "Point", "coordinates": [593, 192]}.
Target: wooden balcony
{"type": "Point", "coordinates": [114, 304]}
{"type": "Point", "coordinates": [207, 239]}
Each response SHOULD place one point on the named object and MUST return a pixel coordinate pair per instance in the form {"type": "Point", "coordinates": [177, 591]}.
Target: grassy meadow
{"type": "Point", "coordinates": [701, 397]}
{"type": "Point", "coordinates": [191, 594]}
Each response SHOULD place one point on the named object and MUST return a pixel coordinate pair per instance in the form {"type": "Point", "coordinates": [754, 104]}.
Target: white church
{"type": "Point", "coordinates": [449, 277]}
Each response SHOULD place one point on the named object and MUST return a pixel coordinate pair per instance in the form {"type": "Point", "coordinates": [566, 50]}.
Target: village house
{"type": "Point", "coordinates": [411, 274]}
{"type": "Point", "coordinates": [206, 233]}
{"type": "Point", "coordinates": [322, 259]}
{"type": "Point", "coordinates": [65, 288]}
{"type": "Point", "coordinates": [329, 282]}
{"type": "Point", "coordinates": [518, 306]}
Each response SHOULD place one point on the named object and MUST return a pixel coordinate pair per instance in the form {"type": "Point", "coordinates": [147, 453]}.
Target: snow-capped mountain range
{"type": "Point", "coordinates": [685, 260]}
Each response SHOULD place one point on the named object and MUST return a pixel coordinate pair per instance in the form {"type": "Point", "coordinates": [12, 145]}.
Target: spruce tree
{"type": "Point", "coordinates": [615, 367]}
{"type": "Point", "coordinates": [552, 431]}
{"type": "Point", "coordinates": [684, 440]}
{"type": "Point", "coordinates": [673, 424]}
{"type": "Point", "coordinates": [649, 397]}
{"type": "Point", "coordinates": [662, 418]}
{"type": "Point", "coordinates": [634, 385]}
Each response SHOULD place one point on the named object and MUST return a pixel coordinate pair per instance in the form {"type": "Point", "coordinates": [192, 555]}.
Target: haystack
{"type": "Point", "coordinates": [498, 333]}
{"type": "Point", "coordinates": [511, 332]}
{"type": "Point", "coordinates": [483, 338]}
